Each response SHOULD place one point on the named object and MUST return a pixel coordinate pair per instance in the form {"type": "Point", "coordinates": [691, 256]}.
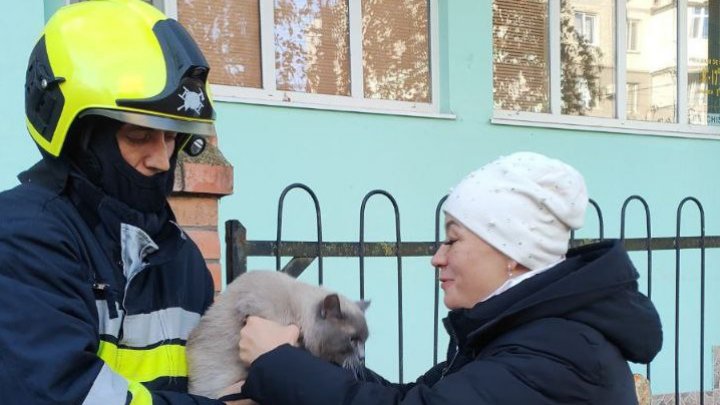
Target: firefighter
{"type": "Point", "coordinates": [99, 287]}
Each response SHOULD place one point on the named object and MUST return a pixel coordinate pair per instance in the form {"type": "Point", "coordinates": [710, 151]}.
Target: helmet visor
{"type": "Point", "coordinates": [154, 121]}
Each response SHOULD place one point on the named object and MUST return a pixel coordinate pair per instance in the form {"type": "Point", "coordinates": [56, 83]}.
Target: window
{"type": "Point", "coordinates": [561, 63]}
{"type": "Point", "coordinates": [697, 96]}
{"type": "Point", "coordinates": [698, 24]}
{"type": "Point", "coordinates": [633, 92]}
{"type": "Point", "coordinates": [520, 59]}
{"type": "Point", "coordinates": [335, 54]}
{"type": "Point", "coordinates": [586, 25]}
{"type": "Point", "coordinates": [632, 35]}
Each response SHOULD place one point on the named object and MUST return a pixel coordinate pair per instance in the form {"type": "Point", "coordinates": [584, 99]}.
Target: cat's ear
{"type": "Point", "coordinates": [330, 307]}
{"type": "Point", "coordinates": [363, 304]}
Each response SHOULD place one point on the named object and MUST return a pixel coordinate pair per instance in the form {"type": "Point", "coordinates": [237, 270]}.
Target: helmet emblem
{"type": "Point", "coordinates": [192, 100]}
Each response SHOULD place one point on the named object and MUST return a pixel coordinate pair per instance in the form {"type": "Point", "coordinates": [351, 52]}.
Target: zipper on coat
{"type": "Point", "coordinates": [453, 336]}
{"type": "Point", "coordinates": [449, 366]}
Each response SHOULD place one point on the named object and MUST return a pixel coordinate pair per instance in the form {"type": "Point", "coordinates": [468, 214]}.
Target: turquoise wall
{"type": "Point", "coordinates": [20, 27]}
{"type": "Point", "coordinates": [344, 155]}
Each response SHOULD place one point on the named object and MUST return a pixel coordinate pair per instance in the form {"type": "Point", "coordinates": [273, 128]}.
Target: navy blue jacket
{"type": "Point", "coordinates": [561, 337]}
{"type": "Point", "coordinates": [92, 310]}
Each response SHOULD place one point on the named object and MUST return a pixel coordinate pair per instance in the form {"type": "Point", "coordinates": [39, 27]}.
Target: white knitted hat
{"type": "Point", "coordinates": [524, 205]}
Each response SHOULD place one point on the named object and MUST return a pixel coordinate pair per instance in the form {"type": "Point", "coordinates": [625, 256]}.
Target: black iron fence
{"type": "Point", "coordinates": [304, 253]}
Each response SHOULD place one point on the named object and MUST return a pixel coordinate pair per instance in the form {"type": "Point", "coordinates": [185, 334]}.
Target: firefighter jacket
{"type": "Point", "coordinates": [93, 309]}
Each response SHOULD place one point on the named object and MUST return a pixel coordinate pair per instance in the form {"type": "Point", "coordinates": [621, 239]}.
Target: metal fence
{"type": "Point", "coordinates": [304, 253]}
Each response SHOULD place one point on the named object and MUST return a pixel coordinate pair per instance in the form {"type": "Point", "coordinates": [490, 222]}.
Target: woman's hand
{"type": "Point", "coordinates": [260, 335]}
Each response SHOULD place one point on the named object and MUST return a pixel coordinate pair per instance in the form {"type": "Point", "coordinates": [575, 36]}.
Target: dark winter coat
{"type": "Point", "coordinates": [561, 337]}
{"type": "Point", "coordinates": [91, 310]}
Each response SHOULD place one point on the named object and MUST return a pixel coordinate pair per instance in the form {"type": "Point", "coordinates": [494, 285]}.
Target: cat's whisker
{"type": "Point", "coordinates": [354, 365]}
{"type": "Point", "coordinates": [349, 366]}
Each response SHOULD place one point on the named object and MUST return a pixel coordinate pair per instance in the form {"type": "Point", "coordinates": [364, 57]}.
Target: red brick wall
{"type": "Point", "coordinates": [199, 184]}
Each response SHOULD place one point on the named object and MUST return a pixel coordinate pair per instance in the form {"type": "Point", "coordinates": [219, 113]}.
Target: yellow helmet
{"type": "Point", "coordinates": [121, 59]}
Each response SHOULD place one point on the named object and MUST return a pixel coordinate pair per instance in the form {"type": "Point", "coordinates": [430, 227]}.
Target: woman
{"type": "Point", "coordinates": [529, 322]}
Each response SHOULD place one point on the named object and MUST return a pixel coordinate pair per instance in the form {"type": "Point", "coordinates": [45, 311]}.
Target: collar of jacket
{"type": "Point", "coordinates": [50, 173]}
{"type": "Point", "coordinates": [105, 214]}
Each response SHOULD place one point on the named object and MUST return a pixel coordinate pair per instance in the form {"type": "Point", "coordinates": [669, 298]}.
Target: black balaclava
{"type": "Point", "coordinates": [98, 157]}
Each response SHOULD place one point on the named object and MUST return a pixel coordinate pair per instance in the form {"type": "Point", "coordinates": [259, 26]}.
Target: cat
{"type": "Point", "coordinates": [332, 327]}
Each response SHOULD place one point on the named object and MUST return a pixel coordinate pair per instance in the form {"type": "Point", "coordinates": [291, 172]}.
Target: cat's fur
{"type": "Point", "coordinates": [332, 327]}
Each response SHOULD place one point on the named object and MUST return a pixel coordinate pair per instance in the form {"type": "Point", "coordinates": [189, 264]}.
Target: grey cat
{"type": "Point", "coordinates": [332, 327]}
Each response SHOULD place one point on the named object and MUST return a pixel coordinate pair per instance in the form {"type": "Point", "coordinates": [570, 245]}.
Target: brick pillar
{"type": "Point", "coordinates": [200, 182]}
{"type": "Point", "coordinates": [642, 389]}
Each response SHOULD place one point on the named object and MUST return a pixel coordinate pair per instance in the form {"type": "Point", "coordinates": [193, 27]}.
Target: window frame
{"type": "Point", "coordinates": [585, 17]}
{"type": "Point", "coordinates": [269, 95]}
{"type": "Point", "coordinates": [633, 35]}
{"type": "Point", "coordinates": [633, 89]}
{"type": "Point", "coordinates": [619, 124]}
{"type": "Point", "coordinates": [699, 21]}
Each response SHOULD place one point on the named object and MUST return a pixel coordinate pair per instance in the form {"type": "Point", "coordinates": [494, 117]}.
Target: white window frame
{"type": "Point", "coordinates": [699, 21]}
{"type": "Point", "coordinates": [620, 124]}
{"type": "Point", "coordinates": [633, 35]}
{"type": "Point", "coordinates": [633, 90]}
{"type": "Point", "coordinates": [270, 95]}
{"type": "Point", "coordinates": [586, 17]}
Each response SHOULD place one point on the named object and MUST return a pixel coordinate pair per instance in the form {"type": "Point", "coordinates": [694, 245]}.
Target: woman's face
{"type": "Point", "coordinates": [470, 269]}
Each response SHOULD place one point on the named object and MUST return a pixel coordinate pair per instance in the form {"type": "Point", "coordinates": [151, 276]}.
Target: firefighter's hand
{"type": "Point", "coordinates": [260, 336]}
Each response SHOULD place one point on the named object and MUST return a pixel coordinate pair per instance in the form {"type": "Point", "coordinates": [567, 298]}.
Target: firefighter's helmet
{"type": "Point", "coordinates": [121, 59]}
